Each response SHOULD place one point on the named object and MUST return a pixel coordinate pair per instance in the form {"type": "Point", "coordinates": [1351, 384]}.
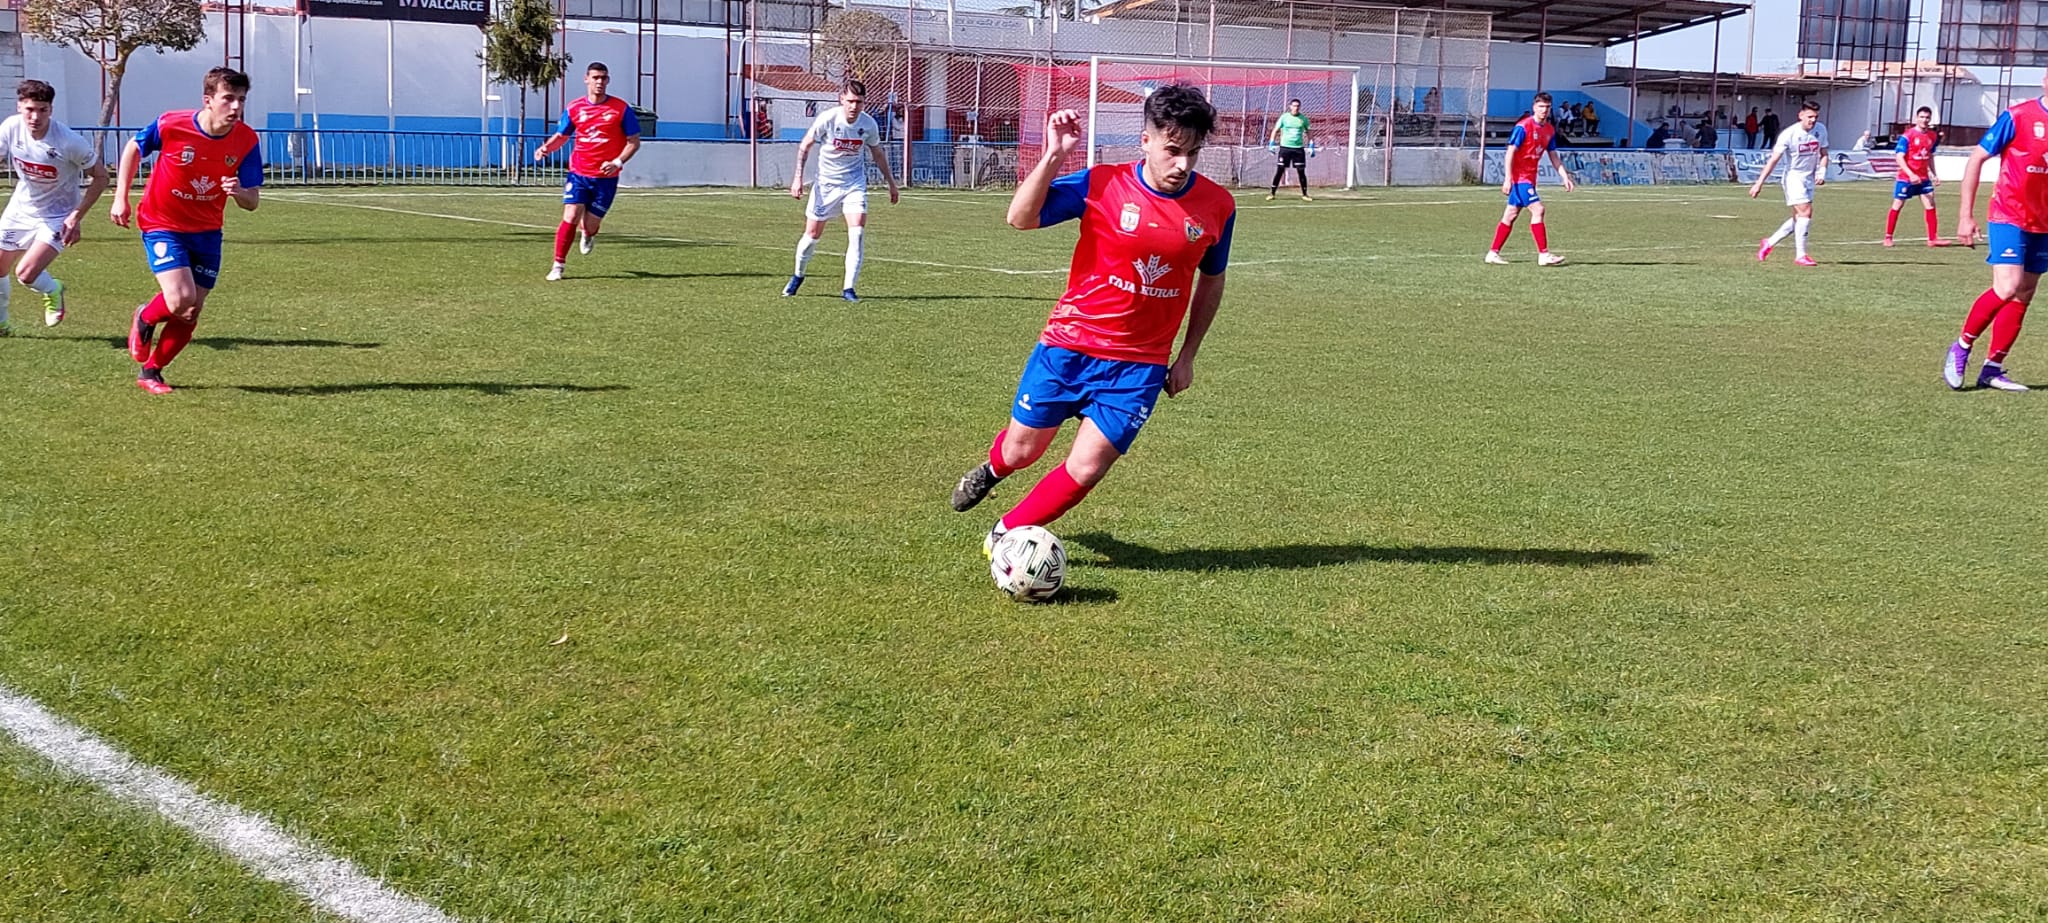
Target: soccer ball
{"type": "Point", "coordinates": [1029, 564]}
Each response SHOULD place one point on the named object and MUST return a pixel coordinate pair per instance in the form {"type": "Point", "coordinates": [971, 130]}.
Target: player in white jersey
{"type": "Point", "coordinates": [42, 216]}
{"type": "Point", "coordinates": [849, 136]}
{"type": "Point", "coordinates": [1804, 147]}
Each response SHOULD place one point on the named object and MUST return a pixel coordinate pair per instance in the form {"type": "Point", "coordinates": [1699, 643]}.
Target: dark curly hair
{"type": "Point", "coordinates": [1180, 108]}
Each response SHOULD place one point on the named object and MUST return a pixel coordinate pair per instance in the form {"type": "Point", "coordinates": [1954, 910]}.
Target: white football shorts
{"type": "Point", "coordinates": [1799, 188]}
{"type": "Point", "coordinates": [19, 231]}
{"type": "Point", "coordinates": [845, 200]}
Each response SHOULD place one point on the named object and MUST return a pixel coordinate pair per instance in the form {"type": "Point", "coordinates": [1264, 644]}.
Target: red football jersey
{"type": "Point", "coordinates": [598, 131]}
{"type": "Point", "coordinates": [1134, 268]}
{"type": "Point", "coordinates": [2020, 137]}
{"type": "Point", "coordinates": [184, 189]}
{"type": "Point", "coordinates": [1918, 146]}
{"type": "Point", "coordinates": [1531, 140]}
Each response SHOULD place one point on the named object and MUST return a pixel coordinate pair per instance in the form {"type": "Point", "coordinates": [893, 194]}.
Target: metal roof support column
{"type": "Point", "coordinates": [1635, 57]}
{"type": "Point", "coordinates": [1714, 88]}
{"type": "Point", "coordinates": [1542, 39]}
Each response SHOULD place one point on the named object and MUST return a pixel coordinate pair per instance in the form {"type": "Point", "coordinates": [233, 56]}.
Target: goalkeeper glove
{"type": "Point", "coordinates": [1311, 148]}
{"type": "Point", "coordinates": [1272, 147]}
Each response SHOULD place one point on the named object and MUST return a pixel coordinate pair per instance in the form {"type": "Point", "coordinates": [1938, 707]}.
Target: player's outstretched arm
{"type": "Point", "coordinates": [131, 160]}
{"type": "Point", "coordinates": [1202, 309]}
{"type": "Point", "coordinates": [617, 164]}
{"type": "Point", "coordinates": [882, 163]}
{"type": "Point", "coordinates": [248, 197]}
{"type": "Point", "coordinates": [1062, 135]}
{"type": "Point", "coordinates": [1966, 210]}
{"type": "Point", "coordinates": [553, 143]}
{"type": "Point", "coordinates": [1770, 163]}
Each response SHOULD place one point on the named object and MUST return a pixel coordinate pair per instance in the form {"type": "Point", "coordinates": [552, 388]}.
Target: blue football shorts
{"type": "Point", "coordinates": [2011, 246]}
{"type": "Point", "coordinates": [594, 193]}
{"type": "Point", "coordinates": [1523, 195]}
{"type": "Point", "coordinates": [1906, 189]}
{"type": "Point", "coordinates": [1059, 384]}
{"type": "Point", "coordinates": [199, 251]}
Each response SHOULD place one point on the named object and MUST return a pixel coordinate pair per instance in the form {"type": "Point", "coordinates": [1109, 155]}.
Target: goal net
{"type": "Point", "coordinates": [1110, 93]}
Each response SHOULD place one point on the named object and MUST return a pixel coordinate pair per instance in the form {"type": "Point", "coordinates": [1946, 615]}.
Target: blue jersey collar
{"type": "Point", "coordinates": [202, 129]}
{"type": "Point", "coordinates": [1138, 169]}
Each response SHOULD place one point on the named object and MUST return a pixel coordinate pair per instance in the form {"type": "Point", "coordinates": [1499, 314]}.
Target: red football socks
{"type": "Point", "coordinates": [2005, 328]}
{"type": "Point", "coordinates": [176, 333]}
{"type": "Point", "coordinates": [1933, 226]}
{"type": "Point", "coordinates": [563, 234]}
{"type": "Point", "coordinates": [1055, 494]}
{"type": "Point", "coordinates": [995, 456]}
{"type": "Point", "coordinates": [1500, 235]}
{"type": "Point", "coordinates": [156, 311]}
{"type": "Point", "coordinates": [1542, 239]}
{"type": "Point", "coordinates": [1891, 222]}
{"type": "Point", "coordinates": [1981, 313]}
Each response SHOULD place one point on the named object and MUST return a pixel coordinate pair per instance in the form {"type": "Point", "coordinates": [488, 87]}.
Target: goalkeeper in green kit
{"type": "Point", "coordinates": [1291, 140]}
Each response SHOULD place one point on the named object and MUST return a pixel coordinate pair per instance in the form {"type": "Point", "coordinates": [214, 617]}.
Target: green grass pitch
{"type": "Point", "coordinates": [1657, 586]}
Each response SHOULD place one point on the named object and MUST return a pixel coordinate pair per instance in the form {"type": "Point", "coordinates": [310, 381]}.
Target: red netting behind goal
{"type": "Point", "coordinates": [1247, 99]}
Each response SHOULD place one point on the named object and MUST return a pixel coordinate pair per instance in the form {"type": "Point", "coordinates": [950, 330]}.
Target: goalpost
{"type": "Point", "coordinates": [1248, 96]}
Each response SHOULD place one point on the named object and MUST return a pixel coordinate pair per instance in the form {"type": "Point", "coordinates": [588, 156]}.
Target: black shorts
{"type": "Point", "coordinates": [1294, 156]}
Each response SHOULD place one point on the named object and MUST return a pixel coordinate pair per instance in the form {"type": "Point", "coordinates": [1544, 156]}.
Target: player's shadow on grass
{"type": "Point", "coordinates": [225, 344]}
{"type": "Point", "coordinates": [1287, 557]}
{"type": "Point", "coordinates": [644, 274]}
{"type": "Point", "coordinates": [896, 297]}
{"type": "Point", "coordinates": [495, 388]}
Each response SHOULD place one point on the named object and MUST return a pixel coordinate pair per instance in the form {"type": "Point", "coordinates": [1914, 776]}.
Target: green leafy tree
{"type": "Point", "coordinates": [519, 48]}
{"type": "Point", "coordinates": [111, 31]}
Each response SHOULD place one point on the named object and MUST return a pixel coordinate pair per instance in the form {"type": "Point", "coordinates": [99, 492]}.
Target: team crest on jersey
{"type": "Point", "coordinates": [2040, 130]}
{"type": "Point", "coordinates": [1130, 217]}
{"type": "Point", "coordinates": [1194, 229]}
{"type": "Point", "coordinates": [186, 155]}
{"type": "Point", "coordinates": [230, 160]}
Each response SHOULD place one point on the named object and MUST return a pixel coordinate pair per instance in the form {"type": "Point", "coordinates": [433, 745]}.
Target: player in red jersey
{"type": "Point", "coordinates": [1146, 228]}
{"type": "Point", "coordinates": [607, 135]}
{"type": "Point", "coordinates": [208, 156]}
{"type": "Point", "coordinates": [1915, 157]}
{"type": "Point", "coordinates": [1534, 136]}
{"type": "Point", "coordinates": [2018, 236]}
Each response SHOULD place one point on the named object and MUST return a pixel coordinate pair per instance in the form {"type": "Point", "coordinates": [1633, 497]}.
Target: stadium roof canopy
{"type": "Point", "coordinates": [1564, 22]}
{"type": "Point", "coordinates": [1680, 81]}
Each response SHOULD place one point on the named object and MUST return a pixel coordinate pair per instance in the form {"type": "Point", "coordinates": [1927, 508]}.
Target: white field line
{"type": "Point", "coordinates": [331, 883]}
{"type": "Point", "coordinates": [1235, 263]}
{"type": "Point", "coordinates": [677, 240]}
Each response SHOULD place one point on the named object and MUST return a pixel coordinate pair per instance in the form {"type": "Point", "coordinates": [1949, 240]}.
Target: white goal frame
{"type": "Point", "coordinates": [1095, 63]}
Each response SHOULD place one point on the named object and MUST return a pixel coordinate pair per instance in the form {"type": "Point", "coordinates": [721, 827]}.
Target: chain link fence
{"type": "Point", "coordinates": [963, 95]}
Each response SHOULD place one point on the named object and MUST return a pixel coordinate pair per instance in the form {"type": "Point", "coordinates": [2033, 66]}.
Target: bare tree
{"type": "Point", "coordinates": [861, 45]}
{"type": "Point", "coordinates": [110, 31]}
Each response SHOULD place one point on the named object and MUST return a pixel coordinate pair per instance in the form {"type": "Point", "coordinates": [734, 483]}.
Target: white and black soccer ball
{"type": "Point", "coordinates": [1029, 564]}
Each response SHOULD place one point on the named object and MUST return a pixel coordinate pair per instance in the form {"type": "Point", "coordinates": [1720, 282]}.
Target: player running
{"type": "Point", "coordinates": [1803, 146]}
{"type": "Point", "coordinates": [850, 137]}
{"type": "Point", "coordinates": [607, 135]}
{"type": "Point", "coordinates": [1291, 140]}
{"type": "Point", "coordinates": [42, 215]}
{"type": "Point", "coordinates": [208, 156]}
{"type": "Point", "coordinates": [1534, 136]}
{"type": "Point", "coordinates": [1915, 156]}
{"type": "Point", "coordinates": [2018, 236]}
{"type": "Point", "coordinates": [1146, 228]}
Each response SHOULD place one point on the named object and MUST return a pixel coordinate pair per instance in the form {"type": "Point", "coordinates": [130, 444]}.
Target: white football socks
{"type": "Point", "coordinates": [1784, 231]}
{"type": "Point", "coordinates": [805, 246]}
{"type": "Point", "coordinates": [854, 253]}
{"type": "Point", "coordinates": [1799, 233]}
{"type": "Point", "coordinates": [43, 283]}
{"type": "Point", "coordinates": [6, 289]}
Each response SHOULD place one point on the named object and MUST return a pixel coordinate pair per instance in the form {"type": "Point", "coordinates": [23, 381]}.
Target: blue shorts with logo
{"type": "Point", "coordinates": [1523, 195]}
{"type": "Point", "coordinates": [1906, 189]}
{"type": "Point", "coordinates": [594, 193]}
{"type": "Point", "coordinates": [1060, 383]}
{"type": "Point", "coordinates": [2011, 246]}
{"type": "Point", "coordinates": [199, 251]}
